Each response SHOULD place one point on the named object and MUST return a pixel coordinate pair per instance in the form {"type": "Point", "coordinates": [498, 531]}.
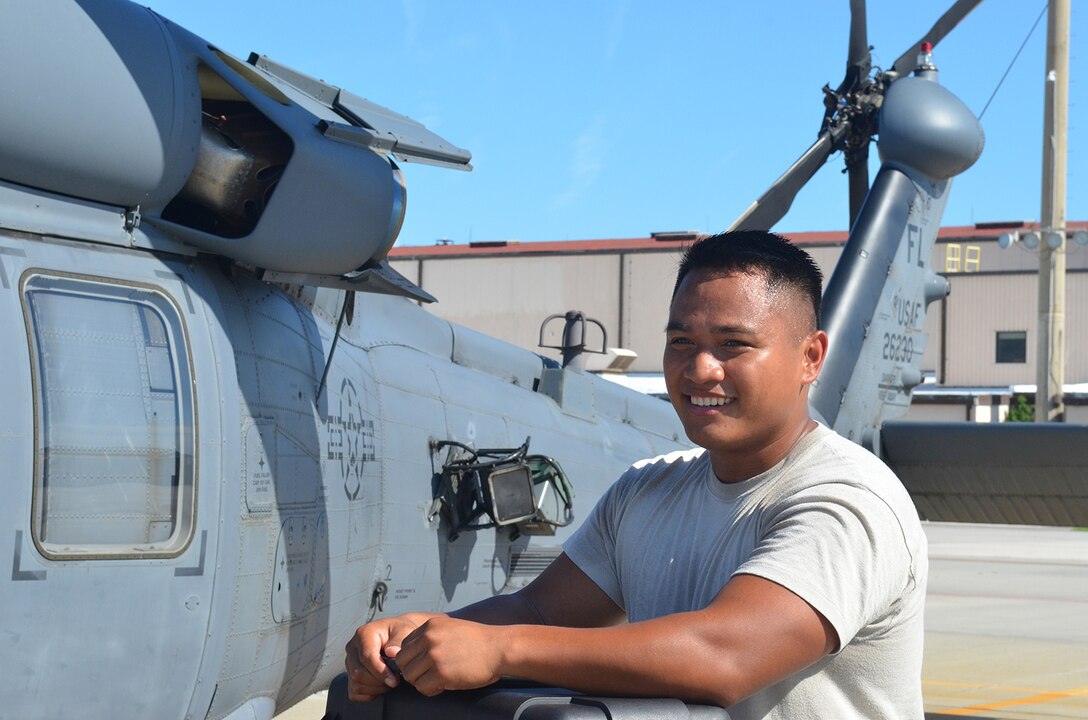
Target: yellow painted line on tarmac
{"type": "Point", "coordinates": [1032, 700]}
{"type": "Point", "coordinates": [979, 686]}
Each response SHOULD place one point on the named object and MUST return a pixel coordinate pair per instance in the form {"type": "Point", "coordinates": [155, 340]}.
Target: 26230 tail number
{"type": "Point", "coordinates": [898, 348]}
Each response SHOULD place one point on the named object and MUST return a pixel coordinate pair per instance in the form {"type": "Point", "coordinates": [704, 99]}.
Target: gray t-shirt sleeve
{"type": "Point", "coordinates": [840, 548]}
{"type": "Point", "coordinates": [592, 547]}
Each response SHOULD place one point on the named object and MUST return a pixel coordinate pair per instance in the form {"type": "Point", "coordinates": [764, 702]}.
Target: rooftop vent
{"type": "Point", "coordinates": [493, 243]}
{"type": "Point", "coordinates": [677, 236]}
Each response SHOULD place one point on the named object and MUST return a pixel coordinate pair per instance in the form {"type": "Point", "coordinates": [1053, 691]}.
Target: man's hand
{"type": "Point", "coordinates": [368, 674]}
{"type": "Point", "coordinates": [448, 654]}
{"type": "Point", "coordinates": [464, 652]}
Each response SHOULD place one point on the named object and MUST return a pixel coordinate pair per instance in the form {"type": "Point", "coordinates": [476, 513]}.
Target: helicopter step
{"type": "Point", "coordinates": [511, 699]}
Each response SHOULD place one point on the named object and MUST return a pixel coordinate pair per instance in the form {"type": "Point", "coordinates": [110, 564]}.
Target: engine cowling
{"type": "Point", "coordinates": [252, 161]}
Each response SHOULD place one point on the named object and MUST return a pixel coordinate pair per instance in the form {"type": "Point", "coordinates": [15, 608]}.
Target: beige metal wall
{"type": "Point", "coordinates": [407, 268]}
{"type": "Point", "coordinates": [1076, 414]}
{"type": "Point", "coordinates": [931, 358]}
{"type": "Point", "coordinates": [936, 412]}
{"type": "Point", "coordinates": [1076, 327]}
{"type": "Point", "coordinates": [509, 295]}
{"type": "Point", "coordinates": [982, 305]}
{"type": "Point", "coordinates": [649, 281]}
{"type": "Point", "coordinates": [968, 256]}
{"type": "Point", "coordinates": [825, 257]}
{"type": "Point", "coordinates": [978, 307]}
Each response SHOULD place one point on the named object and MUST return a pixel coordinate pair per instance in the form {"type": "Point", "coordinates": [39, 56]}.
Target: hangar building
{"type": "Point", "coordinates": [979, 356]}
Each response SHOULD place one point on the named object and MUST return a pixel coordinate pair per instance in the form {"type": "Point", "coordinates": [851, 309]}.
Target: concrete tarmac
{"type": "Point", "coordinates": [1006, 624]}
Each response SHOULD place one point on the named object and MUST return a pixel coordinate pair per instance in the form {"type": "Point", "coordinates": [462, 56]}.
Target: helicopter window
{"type": "Point", "coordinates": [114, 471]}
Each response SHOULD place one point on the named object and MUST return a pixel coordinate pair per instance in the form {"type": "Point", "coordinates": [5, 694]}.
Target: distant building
{"type": "Point", "coordinates": [981, 340]}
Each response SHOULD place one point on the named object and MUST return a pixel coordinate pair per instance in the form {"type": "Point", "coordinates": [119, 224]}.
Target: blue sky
{"type": "Point", "coordinates": [616, 119]}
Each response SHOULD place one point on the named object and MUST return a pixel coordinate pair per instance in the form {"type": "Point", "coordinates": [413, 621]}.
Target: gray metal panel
{"type": "Point", "coordinates": [380, 279]}
{"type": "Point", "coordinates": [411, 141]}
{"type": "Point", "coordinates": [38, 211]}
{"type": "Point", "coordinates": [652, 414]}
{"type": "Point", "coordinates": [496, 358]}
{"type": "Point", "coordinates": [112, 66]}
{"type": "Point", "coordinates": [126, 619]}
{"type": "Point", "coordinates": [572, 390]}
{"type": "Point", "coordinates": [924, 126]}
{"type": "Point", "coordinates": [992, 473]}
{"type": "Point", "coordinates": [382, 129]}
{"type": "Point", "coordinates": [853, 292]}
{"type": "Point", "coordinates": [397, 321]}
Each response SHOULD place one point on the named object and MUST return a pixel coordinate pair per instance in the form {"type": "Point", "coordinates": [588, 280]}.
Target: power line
{"type": "Point", "coordinates": [1014, 58]}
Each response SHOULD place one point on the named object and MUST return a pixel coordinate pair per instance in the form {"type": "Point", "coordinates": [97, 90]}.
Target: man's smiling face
{"type": "Point", "coordinates": [738, 360]}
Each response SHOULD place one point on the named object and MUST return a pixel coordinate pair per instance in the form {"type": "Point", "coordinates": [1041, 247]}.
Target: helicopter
{"type": "Point", "coordinates": [233, 434]}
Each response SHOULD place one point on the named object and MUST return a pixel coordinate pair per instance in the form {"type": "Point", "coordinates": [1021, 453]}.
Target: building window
{"type": "Point", "coordinates": [113, 404]}
{"type": "Point", "coordinates": [955, 259]}
{"type": "Point", "coordinates": [1012, 347]}
{"type": "Point", "coordinates": [973, 260]}
{"type": "Point", "coordinates": [952, 257]}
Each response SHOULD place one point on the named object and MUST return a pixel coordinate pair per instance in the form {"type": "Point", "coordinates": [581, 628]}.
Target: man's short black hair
{"type": "Point", "coordinates": [783, 264]}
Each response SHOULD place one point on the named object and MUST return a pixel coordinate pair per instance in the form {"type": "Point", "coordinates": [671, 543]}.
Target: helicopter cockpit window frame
{"type": "Point", "coordinates": [114, 418]}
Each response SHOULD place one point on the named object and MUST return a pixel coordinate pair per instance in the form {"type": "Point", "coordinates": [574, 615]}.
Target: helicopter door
{"type": "Point", "coordinates": [116, 544]}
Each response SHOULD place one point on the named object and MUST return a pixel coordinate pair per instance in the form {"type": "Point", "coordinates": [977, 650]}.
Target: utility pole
{"type": "Point", "coordinates": [1050, 334]}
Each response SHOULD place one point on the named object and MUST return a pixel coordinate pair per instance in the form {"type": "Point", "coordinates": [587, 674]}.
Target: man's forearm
{"type": "Point", "coordinates": [654, 659]}
{"type": "Point", "coordinates": [500, 610]}
{"type": "Point", "coordinates": [752, 635]}
{"type": "Point", "coordinates": [676, 656]}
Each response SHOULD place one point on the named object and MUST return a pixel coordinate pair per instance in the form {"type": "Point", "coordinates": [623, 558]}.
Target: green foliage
{"type": "Point", "coordinates": [1020, 410]}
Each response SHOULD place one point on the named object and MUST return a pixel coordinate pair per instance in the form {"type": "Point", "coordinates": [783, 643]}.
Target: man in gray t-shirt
{"type": "Point", "coordinates": [830, 523]}
{"type": "Point", "coordinates": [779, 571]}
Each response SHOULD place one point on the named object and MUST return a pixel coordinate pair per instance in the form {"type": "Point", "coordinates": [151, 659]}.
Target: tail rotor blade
{"type": "Point", "coordinates": [942, 27]}
{"type": "Point", "coordinates": [772, 205]}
